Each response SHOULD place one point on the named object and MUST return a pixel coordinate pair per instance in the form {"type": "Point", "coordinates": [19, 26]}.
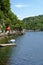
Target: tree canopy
{"type": "Point", "coordinates": [34, 23]}
{"type": "Point", "coordinates": [7, 17]}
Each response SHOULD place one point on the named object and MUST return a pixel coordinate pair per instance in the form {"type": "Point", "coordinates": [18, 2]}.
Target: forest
{"type": "Point", "coordinates": [8, 18]}
{"type": "Point", "coordinates": [34, 23]}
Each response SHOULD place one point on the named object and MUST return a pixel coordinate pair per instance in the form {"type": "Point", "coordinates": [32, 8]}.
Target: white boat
{"type": "Point", "coordinates": [11, 41]}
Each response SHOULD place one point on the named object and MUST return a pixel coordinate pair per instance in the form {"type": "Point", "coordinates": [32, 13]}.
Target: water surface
{"type": "Point", "coordinates": [29, 50]}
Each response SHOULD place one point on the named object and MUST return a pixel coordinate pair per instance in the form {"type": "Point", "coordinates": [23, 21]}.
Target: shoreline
{"type": "Point", "coordinates": [5, 37]}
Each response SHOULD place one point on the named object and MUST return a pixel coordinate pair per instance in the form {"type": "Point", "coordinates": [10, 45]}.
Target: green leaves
{"type": "Point", "coordinates": [7, 17]}
{"type": "Point", "coordinates": [1, 15]}
{"type": "Point", "coordinates": [4, 5]}
{"type": "Point", "coordinates": [34, 23]}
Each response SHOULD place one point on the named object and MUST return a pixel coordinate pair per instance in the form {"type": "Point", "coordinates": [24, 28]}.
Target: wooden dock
{"type": "Point", "coordinates": [3, 45]}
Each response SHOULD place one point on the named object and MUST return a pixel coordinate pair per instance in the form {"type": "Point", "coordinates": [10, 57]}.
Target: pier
{"type": "Point", "coordinates": [3, 45]}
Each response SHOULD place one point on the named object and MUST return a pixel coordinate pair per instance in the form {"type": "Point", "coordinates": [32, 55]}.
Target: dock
{"type": "Point", "coordinates": [3, 45]}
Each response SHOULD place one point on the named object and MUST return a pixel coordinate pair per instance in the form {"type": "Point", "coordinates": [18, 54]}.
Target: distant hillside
{"type": "Point", "coordinates": [34, 23]}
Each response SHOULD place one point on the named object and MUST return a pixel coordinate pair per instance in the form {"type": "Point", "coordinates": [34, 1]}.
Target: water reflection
{"type": "Point", "coordinates": [4, 55]}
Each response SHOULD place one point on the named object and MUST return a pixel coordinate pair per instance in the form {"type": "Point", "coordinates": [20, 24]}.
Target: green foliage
{"type": "Point", "coordinates": [5, 5]}
{"type": "Point", "coordinates": [7, 17]}
{"type": "Point", "coordinates": [34, 23]}
{"type": "Point", "coordinates": [1, 15]}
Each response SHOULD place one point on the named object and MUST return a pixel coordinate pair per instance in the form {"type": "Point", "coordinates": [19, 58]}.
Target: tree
{"type": "Point", "coordinates": [5, 5]}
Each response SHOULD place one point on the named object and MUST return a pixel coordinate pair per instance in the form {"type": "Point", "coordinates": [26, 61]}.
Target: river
{"type": "Point", "coordinates": [29, 50]}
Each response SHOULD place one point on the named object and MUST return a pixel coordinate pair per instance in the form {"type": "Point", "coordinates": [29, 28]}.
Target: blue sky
{"type": "Point", "coordinates": [27, 8]}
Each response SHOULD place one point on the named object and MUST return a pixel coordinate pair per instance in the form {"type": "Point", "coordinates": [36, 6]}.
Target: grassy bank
{"type": "Point", "coordinates": [4, 40]}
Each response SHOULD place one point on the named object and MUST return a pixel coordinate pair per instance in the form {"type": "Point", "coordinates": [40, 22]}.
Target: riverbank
{"type": "Point", "coordinates": [11, 33]}
{"type": "Point", "coordinates": [4, 37]}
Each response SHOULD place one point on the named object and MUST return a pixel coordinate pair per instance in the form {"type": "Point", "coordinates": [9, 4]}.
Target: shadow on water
{"type": "Point", "coordinates": [5, 52]}
{"type": "Point", "coordinates": [4, 55]}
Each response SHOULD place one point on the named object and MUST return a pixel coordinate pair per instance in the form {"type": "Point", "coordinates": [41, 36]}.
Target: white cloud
{"type": "Point", "coordinates": [20, 5]}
